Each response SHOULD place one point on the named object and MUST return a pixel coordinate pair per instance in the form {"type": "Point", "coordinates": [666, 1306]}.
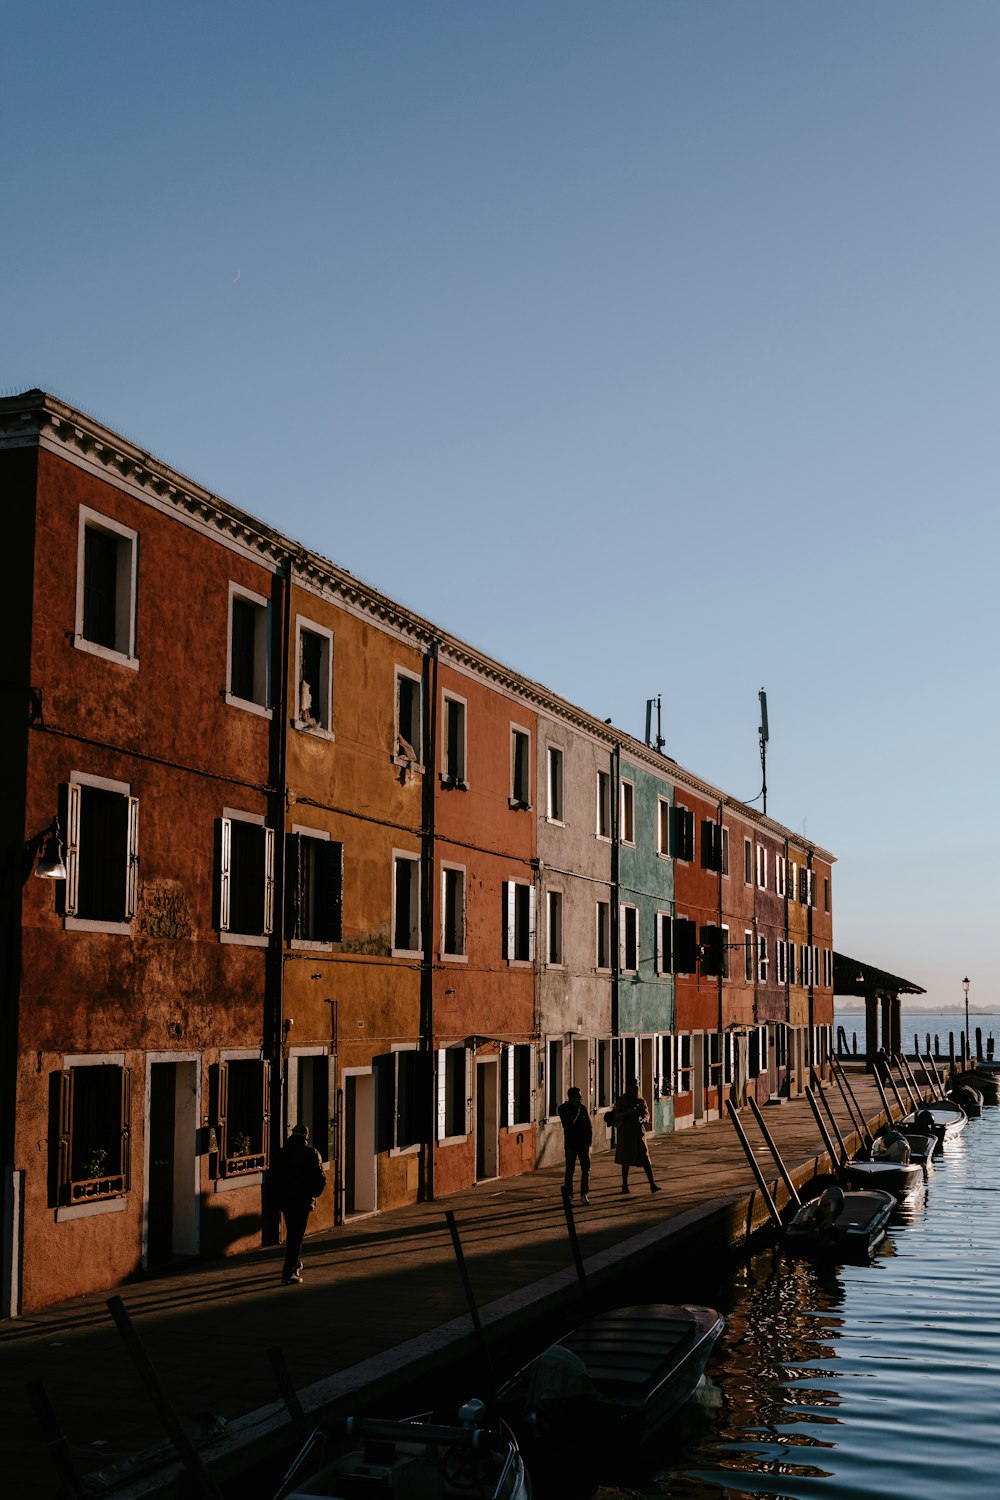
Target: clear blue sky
{"type": "Point", "coordinates": [649, 346]}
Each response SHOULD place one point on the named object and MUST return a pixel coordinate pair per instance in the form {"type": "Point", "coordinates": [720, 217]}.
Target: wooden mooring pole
{"type": "Point", "coordinates": [484, 1347]}
{"type": "Point", "coordinates": [793, 1191]}
{"type": "Point", "coordinates": [846, 1155]}
{"type": "Point", "coordinates": [201, 1480]}
{"type": "Point", "coordinates": [827, 1141]}
{"type": "Point", "coordinates": [856, 1113]}
{"type": "Point", "coordinates": [754, 1166]}
{"type": "Point", "coordinates": [55, 1440]}
{"type": "Point", "coordinates": [289, 1394]}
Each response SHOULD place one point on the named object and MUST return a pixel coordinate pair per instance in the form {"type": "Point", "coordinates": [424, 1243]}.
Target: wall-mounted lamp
{"type": "Point", "coordinates": [51, 861]}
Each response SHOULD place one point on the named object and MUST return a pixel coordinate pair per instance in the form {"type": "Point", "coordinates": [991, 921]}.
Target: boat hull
{"type": "Point", "coordinates": [857, 1231]}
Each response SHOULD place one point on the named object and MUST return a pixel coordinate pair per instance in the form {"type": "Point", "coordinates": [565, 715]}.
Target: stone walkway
{"type": "Point", "coordinates": [382, 1300]}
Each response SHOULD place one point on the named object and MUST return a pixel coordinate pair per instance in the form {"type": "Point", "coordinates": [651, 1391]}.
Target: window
{"type": "Point", "coordinates": [805, 965]}
{"type": "Point", "coordinates": [92, 1108]}
{"type": "Point", "coordinates": [682, 1051]}
{"type": "Point", "coordinates": [101, 819]}
{"type": "Point", "coordinates": [402, 1098]}
{"type": "Point", "coordinates": [780, 867]}
{"type": "Point", "coordinates": [663, 827]}
{"type": "Point", "coordinates": [553, 1076]}
{"type": "Point", "coordinates": [826, 893]}
{"type": "Point", "coordinates": [666, 1065]}
{"type": "Point", "coordinates": [761, 867]}
{"type": "Point", "coordinates": [828, 968]}
{"type": "Point", "coordinates": [241, 1114]}
{"type": "Point", "coordinates": [683, 840]}
{"type": "Point", "coordinates": [603, 805]}
{"type": "Point", "coordinates": [249, 650]}
{"type": "Point", "coordinates": [554, 925]}
{"type": "Point", "coordinates": [806, 892]}
{"type": "Point", "coordinates": [815, 965]}
{"type": "Point", "coordinates": [555, 785]}
{"type": "Point", "coordinates": [664, 943]}
{"type": "Point", "coordinates": [409, 740]}
{"type": "Point", "coordinates": [520, 768]}
{"type": "Point", "coordinates": [309, 1098]}
{"type": "Point", "coordinates": [781, 960]}
{"type": "Point", "coordinates": [629, 939]}
{"type": "Point", "coordinates": [757, 1051]}
{"type": "Point", "coordinates": [628, 813]}
{"type": "Point", "coordinates": [518, 921]}
{"type": "Point", "coordinates": [245, 862]}
{"type": "Point", "coordinates": [603, 1074]}
{"type": "Point", "coordinates": [791, 964]}
{"type": "Point", "coordinates": [107, 567]}
{"type": "Point", "coordinates": [452, 912]}
{"type": "Point", "coordinates": [517, 1110]}
{"type": "Point", "coordinates": [685, 946]}
{"type": "Point", "coordinates": [405, 903]}
{"type": "Point", "coordinates": [314, 689]}
{"type": "Point", "coordinates": [714, 951]}
{"type": "Point", "coordinates": [748, 861]}
{"type": "Point", "coordinates": [714, 846]}
{"type": "Point", "coordinates": [314, 881]}
{"type": "Point", "coordinates": [453, 1101]}
{"type": "Point", "coordinates": [748, 957]}
{"type": "Point", "coordinates": [604, 935]}
{"type": "Point", "coordinates": [761, 958]}
{"type": "Point", "coordinates": [453, 747]}
{"type": "Point", "coordinates": [792, 880]}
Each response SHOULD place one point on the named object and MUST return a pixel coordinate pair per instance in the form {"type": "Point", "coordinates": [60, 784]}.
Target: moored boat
{"type": "Point", "coordinates": [941, 1117]}
{"type": "Point", "coordinates": [838, 1223]}
{"type": "Point", "coordinates": [369, 1456]}
{"type": "Point", "coordinates": [616, 1378]}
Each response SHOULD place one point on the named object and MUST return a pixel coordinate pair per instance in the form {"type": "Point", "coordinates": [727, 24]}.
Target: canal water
{"type": "Point", "coordinates": [878, 1380]}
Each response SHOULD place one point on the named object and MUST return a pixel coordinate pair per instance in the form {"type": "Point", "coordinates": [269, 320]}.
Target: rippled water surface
{"type": "Point", "coordinates": [880, 1380]}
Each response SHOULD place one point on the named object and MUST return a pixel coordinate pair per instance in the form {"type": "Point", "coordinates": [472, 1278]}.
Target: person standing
{"type": "Point", "coordinates": [299, 1179]}
{"type": "Point", "coordinates": [577, 1136]}
{"type": "Point", "coordinates": [630, 1117]}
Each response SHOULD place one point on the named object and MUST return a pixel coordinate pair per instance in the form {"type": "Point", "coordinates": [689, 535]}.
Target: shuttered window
{"type": "Point", "coordinates": [664, 943]}
{"type": "Point", "coordinates": [518, 922]}
{"type": "Point", "coordinates": [102, 852]}
{"type": "Point", "coordinates": [241, 1105]}
{"type": "Point", "coordinates": [92, 1104]}
{"type": "Point", "coordinates": [685, 946]}
{"type": "Point", "coordinates": [683, 833]}
{"type": "Point", "coordinates": [629, 959]}
{"type": "Point", "coordinates": [314, 879]}
{"type": "Point", "coordinates": [452, 1086]}
{"type": "Point", "coordinates": [245, 865]}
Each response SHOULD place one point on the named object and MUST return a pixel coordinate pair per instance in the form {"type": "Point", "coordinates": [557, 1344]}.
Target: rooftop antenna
{"type": "Point", "coordinates": [660, 742]}
{"type": "Point", "coordinates": [763, 745]}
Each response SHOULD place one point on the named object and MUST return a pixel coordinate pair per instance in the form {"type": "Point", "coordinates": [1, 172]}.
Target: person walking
{"type": "Point", "coordinates": [577, 1136]}
{"type": "Point", "coordinates": [630, 1117]}
{"type": "Point", "coordinates": [299, 1179]}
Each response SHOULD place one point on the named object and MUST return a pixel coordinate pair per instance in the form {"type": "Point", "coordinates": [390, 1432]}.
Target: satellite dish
{"type": "Point", "coordinates": [763, 716]}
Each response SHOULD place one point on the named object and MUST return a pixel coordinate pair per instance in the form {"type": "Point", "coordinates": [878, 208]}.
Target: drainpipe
{"type": "Point", "coordinates": [617, 1081]}
{"type": "Point", "coordinates": [274, 1004]}
{"type": "Point", "coordinates": [426, 1038]}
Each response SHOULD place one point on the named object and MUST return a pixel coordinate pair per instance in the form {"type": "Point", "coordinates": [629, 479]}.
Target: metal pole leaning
{"type": "Point", "coordinates": [793, 1191]}
{"type": "Point", "coordinates": [895, 1090]}
{"type": "Point", "coordinates": [203, 1483]}
{"type": "Point", "coordinates": [845, 1154]}
{"type": "Point", "coordinates": [914, 1098]}
{"type": "Point", "coordinates": [831, 1148]}
{"type": "Point", "coordinates": [55, 1440]}
{"type": "Point", "coordinates": [289, 1394]}
{"type": "Point", "coordinates": [470, 1299]}
{"type": "Point", "coordinates": [913, 1078]}
{"type": "Point", "coordinates": [851, 1105]}
{"type": "Point", "coordinates": [882, 1096]}
{"type": "Point", "coordinates": [754, 1165]}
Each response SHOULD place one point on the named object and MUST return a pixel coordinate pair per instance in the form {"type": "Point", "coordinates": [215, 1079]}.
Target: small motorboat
{"type": "Point", "coordinates": [922, 1147]}
{"type": "Point", "coordinates": [840, 1223]}
{"type": "Point", "coordinates": [941, 1118]}
{"type": "Point", "coordinates": [889, 1166]}
{"type": "Point", "coordinates": [615, 1380]}
{"type": "Point", "coordinates": [969, 1096]}
{"type": "Point", "coordinates": [409, 1460]}
{"type": "Point", "coordinates": [986, 1078]}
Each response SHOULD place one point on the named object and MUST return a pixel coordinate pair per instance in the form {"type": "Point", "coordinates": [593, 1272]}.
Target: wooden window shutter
{"type": "Point", "coordinates": [265, 1134]}
{"type": "Point", "coordinates": [132, 869]}
{"type": "Point", "coordinates": [268, 880]}
{"type": "Point", "coordinates": [72, 892]}
{"type": "Point", "coordinates": [293, 884]}
{"type": "Point", "coordinates": [505, 1057]}
{"type": "Point", "coordinates": [442, 1089]}
{"type": "Point", "coordinates": [531, 922]}
{"type": "Point", "coordinates": [384, 1069]}
{"type": "Point", "coordinates": [508, 919]}
{"type": "Point", "coordinates": [221, 1110]}
{"type": "Point", "coordinates": [125, 1164]}
{"type": "Point", "coordinates": [336, 892]}
{"type": "Point", "coordinates": [467, 1075]}
{"type": "Point", "coordinates": [64, 1166]}
{"type": "Point", "coordinates": [224, 840]}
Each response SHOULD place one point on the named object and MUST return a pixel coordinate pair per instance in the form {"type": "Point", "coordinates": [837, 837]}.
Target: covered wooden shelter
{"type": "Point", "coordinates": [876, 987]}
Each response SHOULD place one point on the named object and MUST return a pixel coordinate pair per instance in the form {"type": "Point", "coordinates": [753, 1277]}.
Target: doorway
{"type": "Point", "coordinates": [646, 1075]}
{"type": "Point", "coordinates": [698, 1084]}
{"type": "Point", "coordinates": [487, 1120]}
{"type": "Point", "coordinates": [359, 1143]}
{"type": "Point", "coordinates": [171, 1165]}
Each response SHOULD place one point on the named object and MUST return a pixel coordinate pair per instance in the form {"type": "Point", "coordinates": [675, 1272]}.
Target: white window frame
{"type": "Point", "coordinates": [780, 871]}
{"type": "Point", "coordinates": [791, 963]}
{"type": "Point", "coordinates": [748, 956]}
{"type": "Point", "coordinates": [627, 906]}
{"type": "Point", "coordinates": [761, 958]}
{"type": "Point", "coordinates": [510, 915]}
{"type": "Point", "coordinates": [94, 1206]}
{"type": "Point", "coordinates": [663, 827]}
{"type": "Point", "coordinates": [603, 806]}
{"type": "Point", "coordinates": [322, 726]}
{"type": "Point", "coordinates": [555, 906]}
{"type": "Point", "coordinates": [602, 924]}
{"type": "Point", "coordinates": [793, 885]}
{"type": "Point", "coordinates": [555, 785]}
{"type": "Point", "coordinates": [781, 961]}
{"type": "Point", "coordinates": [762, 867]}
{"type": "Point", "coordinates": [232, 815]}
{"type": "Point", "coordinates": [684, 1075]}
{"type": "Point", "coordinates": [399, 757]}
{"type": "Point", "coordinates": [446, 955]}
{"type": "Point", "coordinates": [440, 1095]}
{"type": "Point", "coordinates": [448, 777]}
{"type": "Point", "coordinates": [664, 963]}
{"type": "Point", "coordinates": [416, 894]}
{"type": "Point", "coordinates": [627, 812]}
{"type": "Point", "coordinates": [71, 922]}
{"type": "Point", "coordinates": [126, 589]}
{"type": "Point", "coordinates": [516, 803]}
{"type": "Point", "coordinates": [508, 1058]}
{"type": "Point", "coordinates": [262, 652]}
{"type": "Point", "coordinates": [747, 861]}
{"type": "Point", "coordinates": [315, 945]}
{"type": "Point", "coordinates": [555, 1077]}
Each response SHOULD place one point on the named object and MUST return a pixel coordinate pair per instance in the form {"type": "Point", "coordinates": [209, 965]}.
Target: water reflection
{"type": "Point", "coordinates": [878, 1380]}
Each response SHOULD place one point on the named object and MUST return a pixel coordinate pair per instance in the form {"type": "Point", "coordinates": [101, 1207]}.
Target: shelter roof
{"type": "Point", "coordinates": [852, 977]}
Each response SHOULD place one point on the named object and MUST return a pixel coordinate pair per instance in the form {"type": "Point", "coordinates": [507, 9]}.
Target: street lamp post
{"type": "Point", "coordinates": [968, 1049]}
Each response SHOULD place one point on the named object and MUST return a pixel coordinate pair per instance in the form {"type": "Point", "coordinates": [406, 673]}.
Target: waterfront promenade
{"type": "Point", "coordinates": [382, 1302]}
